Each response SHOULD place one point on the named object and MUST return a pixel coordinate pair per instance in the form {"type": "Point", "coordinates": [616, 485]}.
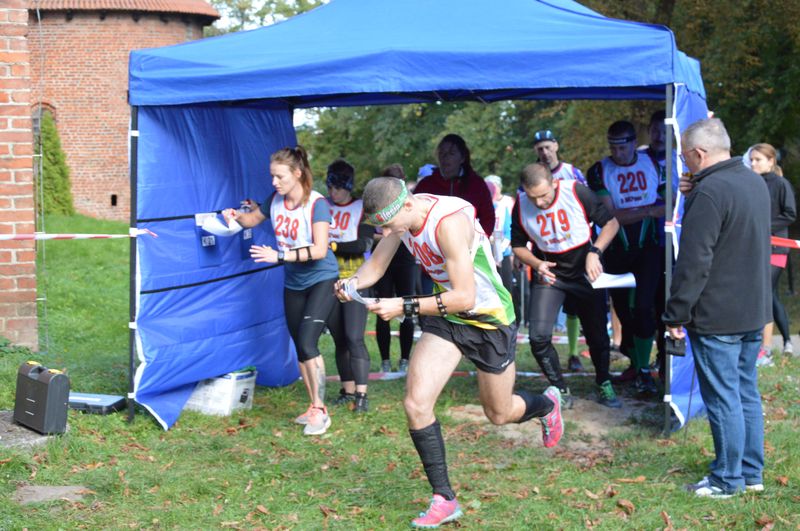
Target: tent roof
{"type": "Point", "coordinates": [360, 52]}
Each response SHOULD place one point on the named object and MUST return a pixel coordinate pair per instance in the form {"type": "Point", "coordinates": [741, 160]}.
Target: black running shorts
{"type": "Point", "coordinates": [490, 350]}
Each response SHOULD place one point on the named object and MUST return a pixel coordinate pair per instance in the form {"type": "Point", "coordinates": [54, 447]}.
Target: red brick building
{"type": "Point", "coordinates": [79, 70]}
{"type": "Point", "coordinates": [17, 258]}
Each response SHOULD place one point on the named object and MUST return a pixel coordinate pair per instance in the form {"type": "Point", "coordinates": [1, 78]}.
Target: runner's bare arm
{"type": "Point", "coordinates": [455, 235]}
{"type": "Point", "coordinates": [373, 269]}
{"type": "Point", "coordinates": [245, 219]}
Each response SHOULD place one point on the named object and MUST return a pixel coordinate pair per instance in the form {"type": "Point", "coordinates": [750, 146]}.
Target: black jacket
{"type": "Point", "coordinates": [721, 283]}
{"type": "Point", "coordinates": [783, 207]}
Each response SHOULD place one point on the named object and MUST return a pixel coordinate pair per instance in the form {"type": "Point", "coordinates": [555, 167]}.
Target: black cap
{"type": "Point", "coordinates": [544, 134]}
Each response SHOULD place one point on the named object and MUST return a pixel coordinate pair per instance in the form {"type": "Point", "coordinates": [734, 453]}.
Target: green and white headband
{"type": "Point", "coordinates": [385, 215]}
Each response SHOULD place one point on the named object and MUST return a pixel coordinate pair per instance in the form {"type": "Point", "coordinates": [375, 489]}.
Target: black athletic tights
{"type": "Point", "coordinates": [306, 312]}
{"type": "Point", "coordinates": [778, 311]}
{"type": "Point", "coordinates": [347, 324]}
{"type": "Point", "coordinates": [398, 281]}
{"type": "Point", "coordinates": [590, 306]}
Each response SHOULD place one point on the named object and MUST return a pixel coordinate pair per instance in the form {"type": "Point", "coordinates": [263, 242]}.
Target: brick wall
{"type": "Point", "coordinates": [79, 64]}
{"type": "Point", "coordinates": [17, 258]}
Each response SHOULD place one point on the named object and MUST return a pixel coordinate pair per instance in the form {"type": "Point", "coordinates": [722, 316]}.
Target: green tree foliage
{"type": "Point", "coordinates": [57, 192]}
{"type": "Point", "coordinates": [750, 57]}
{"type": "Point", "coordinates": [240, 15]}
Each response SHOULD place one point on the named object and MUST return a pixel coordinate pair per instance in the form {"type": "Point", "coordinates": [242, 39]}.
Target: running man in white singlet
{"type": "Point", "coordinates": [469, 314]}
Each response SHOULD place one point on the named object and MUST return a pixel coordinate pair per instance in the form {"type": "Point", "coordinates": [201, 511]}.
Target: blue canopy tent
{"type": "Point", "coordinates": [207, 114]}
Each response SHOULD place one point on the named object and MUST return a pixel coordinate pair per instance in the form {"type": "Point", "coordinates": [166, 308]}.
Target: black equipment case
{"type": "Point", "coordinates": [42, 398]}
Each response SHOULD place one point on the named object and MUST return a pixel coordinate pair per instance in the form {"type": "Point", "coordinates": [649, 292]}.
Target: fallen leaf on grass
{"type": "Point", "coordinates": [230, 430]}
{"type": "Point", "coordinates": [154, 489]}
{"type": "Point", "coordinates": [782, 480]}
{"type": "Point", "coordinates": [637, 479]}
{"type": "Point", "coordinates": [249, 486]}
{"type": "Point", "coordinates": [327, 511]}
{"type": "Point", "coordinates": [626, 506]}
{"type": "Point", "coordinates": [763, 521]}
{"type": "Point", "coordinates": [610, 492]}
{"type": "Point", "coordinates": [134, 445]}
{"type": "Point", "coordinates": [391, 466]}
{"type": "Point", "coordinates": [522, 495]}
{"type": "Point", "coordinates": [485, 495]}
{"type": "Point", "coordinates": [667, 519]}
{"type": "Point", "coordinates": [386, 431]}
{"type": "Point", "coordinates": [568, 491]}
{"type": "Point", "coordinates": [590, 494]}
{"type": "Point", "coordinates": [777, 413]}
{"type": "Point", "coordinates": [217, 509]}
{"type": "Point", "coordinates": [4, 461]}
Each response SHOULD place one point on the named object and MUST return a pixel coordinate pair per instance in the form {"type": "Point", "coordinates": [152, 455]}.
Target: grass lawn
{"type": "Point", "coordinates": [255, 470]}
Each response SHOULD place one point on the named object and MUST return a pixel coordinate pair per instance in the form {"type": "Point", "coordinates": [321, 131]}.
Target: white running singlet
{"type": "Point", "coordinates": [345, 220]}
{"type": "Point", "coordinates": [632, 186]}
{"type": "Point", "coordinates": [293, 226]}
{"type": "Point", "coordinates": [493, 305]}
{"type": "Point", "coordinates": [562, 226]}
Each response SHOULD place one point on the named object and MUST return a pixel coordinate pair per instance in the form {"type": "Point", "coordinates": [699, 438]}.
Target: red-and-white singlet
{"type": "Point", "coordinates": [632, 186]}
{"type": "Point", "coordinates": [559, 228]}
{"type": "Point", "coordinates": [424, 245]}
{"type": "Point", "coordinates": [345, 220]}
{"type": "Point", "coordinates": [293, 227]}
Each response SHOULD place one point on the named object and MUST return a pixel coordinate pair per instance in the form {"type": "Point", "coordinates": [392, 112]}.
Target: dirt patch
{"type": "Point", "coordinates": [587, 424]}
{"type": "Point", "coordinates": [13, 435]}
{"type": "Point", "coordinates": [27, 494]}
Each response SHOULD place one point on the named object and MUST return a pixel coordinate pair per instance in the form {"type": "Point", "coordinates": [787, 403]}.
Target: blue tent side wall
{"type": "Point", "coordinates": [205, 310]}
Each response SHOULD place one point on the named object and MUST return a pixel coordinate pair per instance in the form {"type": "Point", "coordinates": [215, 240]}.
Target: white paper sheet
{"type": "Point", "coordinates": [217, 227]}
{"type": "Point", "coordinates": [606, 280]}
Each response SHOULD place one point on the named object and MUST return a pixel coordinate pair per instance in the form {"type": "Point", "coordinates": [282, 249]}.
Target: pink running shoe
{"type": "Point", "coordinates": [440, 512]}
{"type": "Point", "coordinates": [552, 423]}
{"type": "Point", "coordinates": [303, 419]}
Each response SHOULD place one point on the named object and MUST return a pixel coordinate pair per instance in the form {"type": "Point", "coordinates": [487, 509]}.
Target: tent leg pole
{"type": "Point", "coordinates": [667, 376]}
{"type": "Point", "coordinates": [134, 140]}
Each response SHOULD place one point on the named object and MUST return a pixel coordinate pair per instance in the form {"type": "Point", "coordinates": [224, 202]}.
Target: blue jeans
{"type": "Point", "coordinates": [726, 371]}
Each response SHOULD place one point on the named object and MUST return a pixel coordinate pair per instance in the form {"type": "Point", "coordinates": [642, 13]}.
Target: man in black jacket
{"type": "Point", "coordinates": [721, 295]}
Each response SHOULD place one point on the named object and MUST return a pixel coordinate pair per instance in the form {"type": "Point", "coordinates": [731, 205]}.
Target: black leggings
{"type": "Point", "coordinates": [347, 324]}
{"type": "Point", "coordinates": [647, 265]}
{"type": "Point", "coordinates": [778, 311]}
{"type": "Point", "coordinates": [506, 271]}
{"type": "Point", "coordinates": [399, 280]}
{"type": "Point", "coordinates": [306, 311]}
{"type": "Point", "coordinates": [590, 307]}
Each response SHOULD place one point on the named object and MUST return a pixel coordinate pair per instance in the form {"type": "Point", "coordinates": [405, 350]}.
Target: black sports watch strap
{"type": "Point", "coordinates": [596, 250]}
{"type": "Point", "coordinates": [281, 257]}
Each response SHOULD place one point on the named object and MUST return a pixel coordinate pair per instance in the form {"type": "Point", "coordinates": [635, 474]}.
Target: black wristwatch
{"type": "Point", "coordinates": [281, 257]}
{"type": "Point", "coordinates": [410, 306]}
{"type": "Point", "coordinates": [596, 250]}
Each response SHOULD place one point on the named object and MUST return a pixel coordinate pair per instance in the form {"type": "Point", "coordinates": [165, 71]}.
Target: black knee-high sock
{"type": "Point", "coordinates": [536, 405]}
{"type": "Point", "coordinates": [430, 447]}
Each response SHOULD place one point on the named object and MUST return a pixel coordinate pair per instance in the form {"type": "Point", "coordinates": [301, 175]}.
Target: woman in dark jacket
{"type": "Point", "coordinates": [455, 177]}
{"type": "Point", "coordinates": [763, 160]}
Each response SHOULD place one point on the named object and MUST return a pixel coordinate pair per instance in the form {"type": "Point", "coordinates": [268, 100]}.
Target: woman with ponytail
{"type": "Point", "coordinates": [764, 161]}
{"type": "Point", "coordinates": [301, 219]}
